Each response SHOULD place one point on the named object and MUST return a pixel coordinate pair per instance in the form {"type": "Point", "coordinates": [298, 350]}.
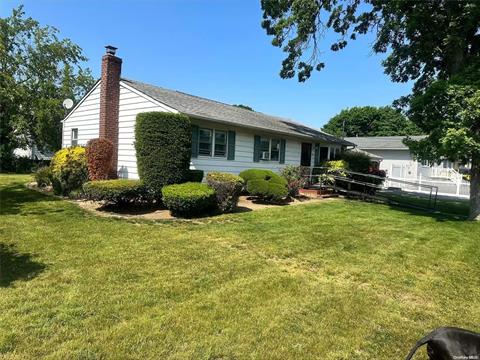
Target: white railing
{"type": "Point", "coordinates": [445, 173]}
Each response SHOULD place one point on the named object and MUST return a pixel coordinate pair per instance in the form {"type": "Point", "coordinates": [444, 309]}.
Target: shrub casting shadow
{"type": "Point", "coordinates": [16, 266]}
{"type": "Point", "coordinates": [414, 210]}
{"type": "Point", "coordinates": [12, 199]}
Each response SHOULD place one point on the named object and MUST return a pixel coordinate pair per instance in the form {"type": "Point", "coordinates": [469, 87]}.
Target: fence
{"type": "Point", "coordinates": [367, 186]}
{"type": "Point", "coordinates": [459, 187]}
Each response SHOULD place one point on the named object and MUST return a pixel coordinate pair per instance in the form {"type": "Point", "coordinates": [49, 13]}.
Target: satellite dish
{"type": "Point", "coordinates": [67, 104]}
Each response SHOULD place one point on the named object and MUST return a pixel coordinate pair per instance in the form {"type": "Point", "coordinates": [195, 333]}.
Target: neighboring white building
{"type": "Point", "coordinates": [399, 163]}
{"type": "Point", "coordinates": [33, 153]}
{"type": "Point", "coordinates": [225, 137]}
{"type": "Point", "coordinates": [397, 159]}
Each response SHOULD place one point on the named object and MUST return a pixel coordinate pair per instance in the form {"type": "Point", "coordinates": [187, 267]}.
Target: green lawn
{"type": "Point", "coordinates": [333, 280]}
{"type": "Point", "coordinates": [444, 204]}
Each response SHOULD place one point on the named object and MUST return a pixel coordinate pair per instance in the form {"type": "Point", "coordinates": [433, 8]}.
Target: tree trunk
{"type": "Point", "coordinates": [475, 189]}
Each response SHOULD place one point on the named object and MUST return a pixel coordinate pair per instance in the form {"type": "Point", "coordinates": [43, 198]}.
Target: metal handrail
{"type": "Point", "coordinates": [433, 193]}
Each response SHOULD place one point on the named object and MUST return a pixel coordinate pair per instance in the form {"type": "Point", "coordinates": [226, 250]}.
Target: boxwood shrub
{"type": "Point", "coordinates": [119, 192]}
{"type": "Point", "coordinates": [265, 184]}
{"type": "Point", "coordinates": [228, 188]}
{"type": "Point", "coordinates": [189, 199]}
{"type": "Point", "coordinates": [163, 146]}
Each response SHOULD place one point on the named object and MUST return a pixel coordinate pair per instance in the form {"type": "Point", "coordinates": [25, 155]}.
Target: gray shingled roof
{"type": "Point", "coordinates": [372, 156]}
{"type": "Point", "coordinates": [381, 142]}
{"type": "Point", "coordinates": [216, 111]}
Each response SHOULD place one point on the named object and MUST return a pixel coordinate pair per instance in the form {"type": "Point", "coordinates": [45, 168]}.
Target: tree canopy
{"type": "Point", "coordinates": [435, 43]}
{"type": "Point", "coordinates": [37, 72]}
{"type": "Point", "coordinates": [370, 121]}
{"type": "Point", "coordinates": [246, 107]}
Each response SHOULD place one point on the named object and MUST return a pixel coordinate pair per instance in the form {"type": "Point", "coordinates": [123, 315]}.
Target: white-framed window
{"type": "Point", "coordinates": [269, 149]}
{"type": "Point", "coordinates": [74, 137]}
{"type": "Point", "coordinates": [212, 142]}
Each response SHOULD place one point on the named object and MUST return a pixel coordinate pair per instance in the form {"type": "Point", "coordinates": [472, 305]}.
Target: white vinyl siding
{"type": "Point", "coordinates": [244, 139]}
{"type": "Point", "coordinates": [131, 104]}
{"type": "Point", "coordinates": [84, 118]}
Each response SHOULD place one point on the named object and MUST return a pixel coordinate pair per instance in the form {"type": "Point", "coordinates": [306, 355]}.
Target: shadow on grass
{"type": "Point", "coordinates": [14, 197]}
{"type": "Point", "coordinates": [16, 266]}
{"type": "Point", "coordinates": [435, 214]}
{"type": "Point", "coordinates": [414, 209]}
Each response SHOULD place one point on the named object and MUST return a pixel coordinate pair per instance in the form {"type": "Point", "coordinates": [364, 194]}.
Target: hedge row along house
{"type": "Point", "coordinates": [224, 137]}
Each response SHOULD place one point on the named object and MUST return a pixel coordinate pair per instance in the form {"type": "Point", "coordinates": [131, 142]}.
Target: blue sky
{"type": "Point", "coordinates": [216, 49]}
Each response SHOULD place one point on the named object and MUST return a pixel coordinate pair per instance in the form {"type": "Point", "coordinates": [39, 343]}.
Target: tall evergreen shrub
{"type": "Point", "coordinates": [163, 144]}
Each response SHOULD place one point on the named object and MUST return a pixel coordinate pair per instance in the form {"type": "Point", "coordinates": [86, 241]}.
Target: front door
{"type": "Point", "coordinates": [306, 158]}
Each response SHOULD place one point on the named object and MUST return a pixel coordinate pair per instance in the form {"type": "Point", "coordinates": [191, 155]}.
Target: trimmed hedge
{"type": "Point", "coordinates": [189, 199]}
{"type": "Point", "coordinates": [195, 175]}
{"type": "Point", "coordinates": [228, 188]}
{"type": "Point", "coordinates": [265, 184]}
{"type": "Point", "coordinates": [99, 158]}
{"type": "Point", "coordinates": [163, 144]}
{"type": "Point", "coordinates": [117, 192]}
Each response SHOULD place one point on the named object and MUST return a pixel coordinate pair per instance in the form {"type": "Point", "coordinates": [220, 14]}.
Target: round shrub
{"type": "Point", "coordinates": [99, 158]}
{"type": "Point", "coordinates": [265, 184]}
{"type": "Point", "coordinates": [118, 192]}
{"type": "Point", "coordinates": [163, 144]}
{"type": "Point", "coordinates": [62, 156]}
{"type": "Point", "coordinates": [188, 199]}
{"type": "Point", "coordinates": [195, 175]}
{"type": "Point", "coordinates": [69, 170]}
{"type": "Point", "coordinates": [43, 176]}
{"type": "Point", "coordinates": [227, 188]}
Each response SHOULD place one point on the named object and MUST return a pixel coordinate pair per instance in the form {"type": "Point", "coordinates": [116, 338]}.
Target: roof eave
{"type": "Point", "coordinates": [226, 122]}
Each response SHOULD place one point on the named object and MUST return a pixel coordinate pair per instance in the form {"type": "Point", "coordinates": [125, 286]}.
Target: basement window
{"type": "Point", "coordinates": [74, 137]}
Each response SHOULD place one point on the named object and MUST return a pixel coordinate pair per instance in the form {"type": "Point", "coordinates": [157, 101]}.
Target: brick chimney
{"type": "Point", "coordinates": [109, 101]}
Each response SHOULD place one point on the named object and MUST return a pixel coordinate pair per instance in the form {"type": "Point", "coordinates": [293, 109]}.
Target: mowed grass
{"type": "Point", "coordinates": [447, 205]}
{"type": "Point", "coordinates": [332, 280]}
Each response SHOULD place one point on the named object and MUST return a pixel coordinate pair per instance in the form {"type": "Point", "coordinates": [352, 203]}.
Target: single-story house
{"type": "Point", "coordinates": [398, 161]}
{"type": "Point", "coordinates": [224, 137]}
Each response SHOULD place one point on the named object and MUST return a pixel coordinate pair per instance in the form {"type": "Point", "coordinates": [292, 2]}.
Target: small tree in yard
{"type": "Point", "coordinates": [427, 41]}
{"type": "Point", "coordinates": [38, 70]}
{"type": "Point", "coordinates": [450, 113]}
{"type": "Point", "coordinates": [99, 157]}
{"type": "Point", "coordinates": [163, 143]}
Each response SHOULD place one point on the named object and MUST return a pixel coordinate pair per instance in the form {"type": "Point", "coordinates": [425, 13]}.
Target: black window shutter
{"type": "Point", "coordinates": [194, 141]}
{"type": "Point", "coordinates": [231, 145]}
{"type": "Point", "coordinates": [283, 144]}
{"type": "Point", "coordinates": [256, 148]}
{"type": "Point", "coordinates": [316, 159]}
